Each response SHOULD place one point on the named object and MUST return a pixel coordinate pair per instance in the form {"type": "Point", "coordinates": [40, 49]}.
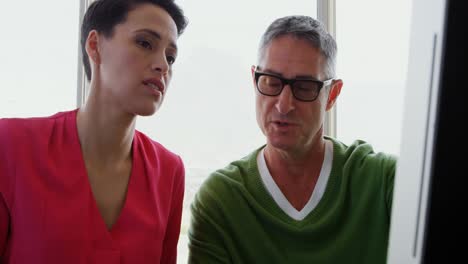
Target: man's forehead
{"type": "Point", "coordinates": [292, 66]}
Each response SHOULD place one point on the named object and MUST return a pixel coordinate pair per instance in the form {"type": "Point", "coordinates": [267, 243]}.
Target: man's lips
{"type": "Point", "coordinates": [283, 123]}
{"type": "Point", "coordinates": [155, 84]}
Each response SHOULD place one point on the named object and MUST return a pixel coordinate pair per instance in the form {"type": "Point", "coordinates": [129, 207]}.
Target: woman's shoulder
{"type": "Point", "coordinates": [152, 148]}
{"type": "Point", "coordinates": [11, 128]}
{"type": "Point", "coordinates": [25, 122]}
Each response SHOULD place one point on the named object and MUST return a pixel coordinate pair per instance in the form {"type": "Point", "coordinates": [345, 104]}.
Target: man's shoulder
{"type": "Point", "coordinates": [360, 152]}
{"type": "Point", "coordinates": [237, 170]}
{"type": "Point", "coordinates": [360, 164]}
{"type": "Point", "coordinates": [232, 178]}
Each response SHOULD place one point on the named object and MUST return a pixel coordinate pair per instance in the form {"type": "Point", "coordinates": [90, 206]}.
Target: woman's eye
{"type": "Point", "coordinates": [145, 44]}
{"type": "Point", "coordinates": [170, 59]}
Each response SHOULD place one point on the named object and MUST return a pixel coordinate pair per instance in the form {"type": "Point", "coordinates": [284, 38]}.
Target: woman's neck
{"type": "Point", "coordinates": [105, 133]}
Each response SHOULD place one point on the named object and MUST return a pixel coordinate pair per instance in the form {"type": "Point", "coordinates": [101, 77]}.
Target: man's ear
{"type": "Point", "coordinates": [335, 90]}
{"type": "Point", "coordinates": [253, 75]}
{"type": "Point", "coordinates": [92, 47]}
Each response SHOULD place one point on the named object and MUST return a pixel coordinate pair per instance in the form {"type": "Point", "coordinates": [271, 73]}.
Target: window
{"type": "Point", "coordinates": [38, 58]}
{"type": "Point", "coordinates": [208, 116]}
{"type": "Point", "coordinates": [373, 46]}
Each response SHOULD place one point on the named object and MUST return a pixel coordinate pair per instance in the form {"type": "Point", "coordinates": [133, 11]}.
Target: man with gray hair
{"type": "Point", "coordinates": [303, 197]}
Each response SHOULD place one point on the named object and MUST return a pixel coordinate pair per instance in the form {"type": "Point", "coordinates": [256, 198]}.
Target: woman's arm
{"type": "Point", "coordinates": [4, 225]}
{"type": "Point", "coordinates": [169, 255]}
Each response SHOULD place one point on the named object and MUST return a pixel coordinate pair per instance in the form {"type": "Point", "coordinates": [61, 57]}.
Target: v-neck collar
{"type": "Point", "coordinates": [97, 219]}
{"type": "Point", "coordinates": [280, 199]}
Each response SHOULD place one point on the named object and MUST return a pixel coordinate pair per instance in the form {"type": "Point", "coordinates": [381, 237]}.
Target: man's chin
{"type": "Point", "coordinates": [285, 145]}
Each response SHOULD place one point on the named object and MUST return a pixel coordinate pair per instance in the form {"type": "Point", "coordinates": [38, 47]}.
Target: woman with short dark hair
{"type": "Point", "coordinates": [84, 186]}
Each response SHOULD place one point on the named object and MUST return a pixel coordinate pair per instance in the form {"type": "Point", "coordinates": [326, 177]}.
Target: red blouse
{"type": "Point", "coordinates": [48, 213]}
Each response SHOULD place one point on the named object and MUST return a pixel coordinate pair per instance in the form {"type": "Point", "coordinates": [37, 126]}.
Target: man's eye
{"type": "Point", "coordinates": [170, 59]}
{"type": "Point", "coordinates": [305, 85]}
{"type": "Point", "coordinates": [145, 44]}
{"type": "Point", "coordinates": [273, 82]}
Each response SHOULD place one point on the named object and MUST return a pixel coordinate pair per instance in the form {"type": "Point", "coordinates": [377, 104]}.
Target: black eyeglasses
{"type": "Point", "coordinates": [306, 90]}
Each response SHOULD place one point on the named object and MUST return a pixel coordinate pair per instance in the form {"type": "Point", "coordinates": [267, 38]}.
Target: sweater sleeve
{"type": "Point", "coordinates": [206, 244]}
{"type": "Point", "coordinates": [169, 255]}
{"type": "Point", "coordinates": [389, 170]}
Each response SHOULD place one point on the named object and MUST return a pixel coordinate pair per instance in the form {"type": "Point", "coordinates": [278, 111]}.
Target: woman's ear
{"type": "Point", "coordinates": [335, 91]}
{"type": "Point", "coordinates": [92, 46]}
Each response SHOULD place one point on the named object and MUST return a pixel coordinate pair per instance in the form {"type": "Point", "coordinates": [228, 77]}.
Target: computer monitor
{"type": "Point", "coordinates": [428, 203]}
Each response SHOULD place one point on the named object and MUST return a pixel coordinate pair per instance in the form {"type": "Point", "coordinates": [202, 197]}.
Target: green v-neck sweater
{"type": "Point", "coordinates": [235, 219]}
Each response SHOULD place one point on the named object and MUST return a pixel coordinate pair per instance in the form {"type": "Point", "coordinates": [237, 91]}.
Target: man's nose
{"type": "Point", "coordinates": [285, 100]}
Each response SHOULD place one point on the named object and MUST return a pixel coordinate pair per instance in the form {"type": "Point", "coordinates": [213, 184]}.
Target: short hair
{"type": "Point", "coordinates": [104, 15]}
{"type": "Point", "coordinates": [306, 28]}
